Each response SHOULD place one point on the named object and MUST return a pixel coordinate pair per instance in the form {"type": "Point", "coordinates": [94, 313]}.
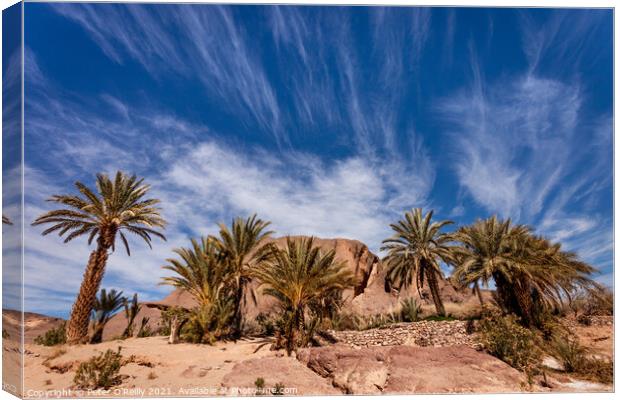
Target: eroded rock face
{"type": "Point", "coordinates": [409, 370]}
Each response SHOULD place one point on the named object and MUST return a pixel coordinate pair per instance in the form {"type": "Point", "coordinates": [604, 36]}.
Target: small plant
{"type": "Point", "coordinates": [5, 334]}
{"type": "Point", "coordinates": [506, 339]}
{"type": "Point", "coordinates": [151, 376]}
{"type": "Point", "coordinates": [278, 389]}
{"type": "Point", "coordinates": [410, 310]}
{"type": "Point", "coordinates": [570, 352]}
{"type": "Point", "coordinates": [99, 371]}
{"type": "Point", "coordinates": [53, 337]}
{"type": "Point", "coordinates": [574, 359]}
{"type": "Point", "coordinates": [259, 383]}
{"type": "Point", "coordinates": [584, 320]}
{"type": "Point", "coordinates": [266, 323]}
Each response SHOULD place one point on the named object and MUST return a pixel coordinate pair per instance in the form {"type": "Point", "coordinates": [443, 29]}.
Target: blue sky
{"type": "Point", "coordinates": [327, 121]}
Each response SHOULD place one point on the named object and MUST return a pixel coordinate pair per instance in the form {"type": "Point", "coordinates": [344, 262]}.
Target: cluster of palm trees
{"type": "Point", "coordinates": [529, 272]}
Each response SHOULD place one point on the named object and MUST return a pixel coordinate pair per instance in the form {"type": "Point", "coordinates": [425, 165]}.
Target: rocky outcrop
{"type": "Point", "coordinates": [411, 370]}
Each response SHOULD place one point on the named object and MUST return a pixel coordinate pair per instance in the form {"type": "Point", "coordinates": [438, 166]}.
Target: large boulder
{"type": "Point", "coordinates": [409, 370]}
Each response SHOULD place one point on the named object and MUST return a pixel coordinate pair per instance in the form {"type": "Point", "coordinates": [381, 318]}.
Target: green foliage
{"type": "Point", "coordinates": [570, 353]}
{"type": "Point", "coordinates": [267, 324]}
{"type": "Point", "coordinates": [414, 252]}
{"type": "Point", "coordinates": [209, 323]}
{"type": "Point", "coordinates": [106, 305]}
{"type": "Point", "coordinates": [531, 274]}
{"type": "Point", "coordinates": [99, 371]}
{"type": "Point", "coordinates": [53, 337]}
{"type": "Point", "coordinates": [574, 358]}
{"type": "Point", "coordinates": [409, 310]}
{"type": "Point", "coordinates": [506, 339]}
{"type": "Point", "coordinates": [117, 204]}
{"type": "Point", "coordinates": [298, 276]}
{"type": "Point", "coordinates": [132, 308]}
{"type": "Point", "coordinates": [278, 389]}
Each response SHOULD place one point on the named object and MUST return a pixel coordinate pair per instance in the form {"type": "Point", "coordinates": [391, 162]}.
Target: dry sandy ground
{"type": "Point", "coordinates": [158, 369]}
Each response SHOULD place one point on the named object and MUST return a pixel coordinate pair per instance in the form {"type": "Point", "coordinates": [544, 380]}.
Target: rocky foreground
{"type": "Point", "coordinates": [400, 359]}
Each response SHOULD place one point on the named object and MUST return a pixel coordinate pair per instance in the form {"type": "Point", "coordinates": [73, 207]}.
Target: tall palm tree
{"type": "Point", "coordinates": [104, 308]}
{"type": "Point", "coordinates": [117, 206]}
{"type": "Point", "coordinates": [528, 271]}
{"type": "Point", "coordinates": [298, 275]}
{"type": "Point", "coordinates": [241, 245]}
{"type": "Point", "coordinates": [415, 251]}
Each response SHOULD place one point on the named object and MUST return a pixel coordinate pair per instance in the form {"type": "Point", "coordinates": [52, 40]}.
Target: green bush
{"type": "Point", "coordinates": [574, 359]}
{"type": "Point", "coordinates": [506, 339]}
{"type": "Point", "coordinates": [52, 337]}
{"type": "Point", "coordinates": [570, 353]}
{"type": "Point", "coordinates": [409, 310]}
{"type": "Point", "coordinates": [266, 323]}
{"type": "Point", "coordinates": [99, 371]}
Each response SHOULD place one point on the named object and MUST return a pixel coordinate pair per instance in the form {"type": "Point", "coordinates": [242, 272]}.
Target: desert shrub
{"type": "Point", "coordinates": [259, 384]}
{"type": "Point", "coordinates": [506, 339]}
{"type": "Point", "coordinates": [409, 310]}
{"type": "Point", "coordinates": [574, 359]}
{"type": "Point", "coordinates": [209, 323]}
{"type": "Point", "coordinates": [584, 320]}
{"type": "Point", "coordinates": [52, 337]}
{"type": "Point", "coordinates": [267, 324]}
{"type": "Point", "coordinates": [346, 322]}
{"type": "Point", "coordinates": [99, 371]}
{"type": "Point", "coordinates": [597, 300]}
{"type": "Point", "coordinates": [278, 389]}
{"type": "Point", "coordinates": [570, 353]}
{"type": "Point", "coordinates": [5, 334]}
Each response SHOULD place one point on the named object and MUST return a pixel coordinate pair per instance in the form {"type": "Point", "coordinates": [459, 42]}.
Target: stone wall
{"type": "Point", "coordinates": [421, 334]}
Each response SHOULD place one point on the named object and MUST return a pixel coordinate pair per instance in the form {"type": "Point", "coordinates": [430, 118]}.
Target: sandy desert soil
{"type": "Point", "coordinates": [155, 368]}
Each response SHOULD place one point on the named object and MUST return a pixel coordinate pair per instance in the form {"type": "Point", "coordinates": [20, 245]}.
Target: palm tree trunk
{"type": "Point", "coordinates": [238, 311]}
{"type": "Point", "coordinates": [77, 328]}
{"type": "Point", "coordinates": [478, 293]}
{"type": "Point", "coordinates": [524, 298]}
{"type": "Point", "coordinates": [431, 277]}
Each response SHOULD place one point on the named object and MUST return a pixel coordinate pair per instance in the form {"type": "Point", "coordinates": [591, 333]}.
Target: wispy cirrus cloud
{"type": "Point", "coordinates": [207, 46]}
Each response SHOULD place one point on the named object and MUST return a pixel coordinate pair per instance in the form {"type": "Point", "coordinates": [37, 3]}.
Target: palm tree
{"type": "Point", "coordinates": [203, 272]}
{"type": "Point", "coordinates": [114, 208]}
{"type": "Point", "coordinates": [528, 271]}
{"type": "Point", "coordinates": [414, 253]}
{"type": "Point", "coordinates": [298, 275]}
{"type": "Point", "coordinates": [241, 245]}
{"type": "Point", "coordinates": [132, 308]}
{"type": "Point", "coordinates": [104, 308]}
